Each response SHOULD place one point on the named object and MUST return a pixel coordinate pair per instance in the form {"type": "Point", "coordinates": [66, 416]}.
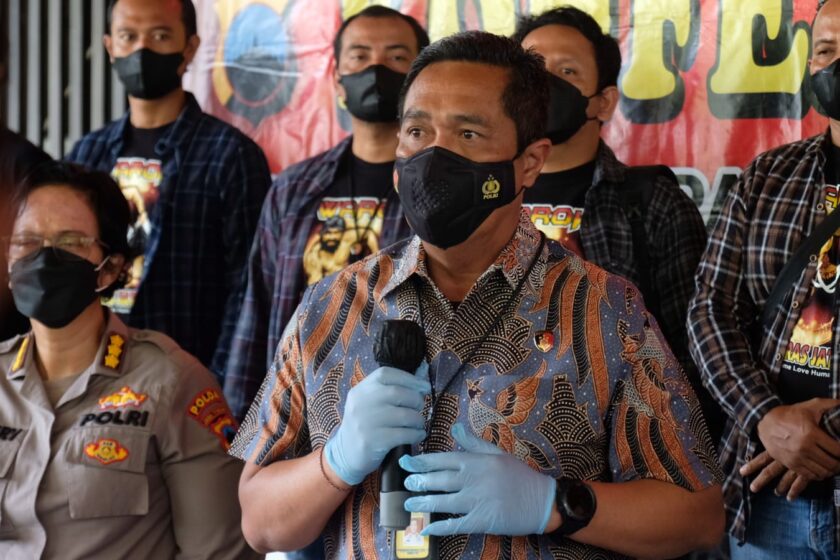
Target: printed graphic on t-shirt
{"type": "Point", "coordinates": [345, 233]}
{"type": "Point", "coordinates": [560, 223]}
{"type": "Point", "coordinates": [139, 179]}
{"type": "Point", "coordinates": [806, 369]}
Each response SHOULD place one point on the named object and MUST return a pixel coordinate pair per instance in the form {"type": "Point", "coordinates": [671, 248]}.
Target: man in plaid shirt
{"type": "Point", "coordinates": [778, 383]}
{"type": "Point", "coordinates": [195, 185]}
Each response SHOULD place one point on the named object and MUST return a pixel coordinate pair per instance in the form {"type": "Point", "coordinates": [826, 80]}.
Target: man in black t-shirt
{"type": "Point", "coordinates": [581, 197]}
{"type": "Point", "coordinates": [195, 184]}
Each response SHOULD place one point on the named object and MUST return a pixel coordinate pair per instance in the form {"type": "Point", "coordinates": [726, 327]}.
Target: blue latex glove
{"type": "Point", "coordinates": [380, 413]}
{"type": "Point", "coordinates": [497, 493]}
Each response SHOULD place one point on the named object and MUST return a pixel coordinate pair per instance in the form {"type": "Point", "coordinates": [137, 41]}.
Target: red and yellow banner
{"type": "Point", "coordinates": [705, 84]}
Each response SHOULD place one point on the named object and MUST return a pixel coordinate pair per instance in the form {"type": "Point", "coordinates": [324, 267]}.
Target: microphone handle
{"type": "Point", "coordinates": [392, 492]}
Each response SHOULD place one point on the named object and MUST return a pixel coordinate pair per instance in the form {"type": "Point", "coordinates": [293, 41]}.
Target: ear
{"type": "Point", "coordinates": [607, 101]}
{"type": "Point", "coordinates": [107, 42]}
{"type": "Point", "coordinates": [191, 50]}
{"type": "Point", "coordinates": [533, 158]}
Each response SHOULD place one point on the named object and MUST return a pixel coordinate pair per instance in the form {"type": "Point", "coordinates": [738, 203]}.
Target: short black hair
{"type": "Point", "coordinates": [525, 97]}
{"type": "Point", "coordinates": [607, 51]}
{"type": "Point", "coordinates": [102, 193]}
{"type": "Point", "coordinates": [187, 16]}
{"type": "Point", "coordinates": [382, 12]}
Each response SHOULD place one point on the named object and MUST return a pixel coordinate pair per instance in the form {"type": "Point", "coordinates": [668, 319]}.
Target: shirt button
{"type": "Point", "coordinates": [813, 258]}
{"type": "Point", "coordinates": [795, 305]}
{"type": "Point", "coordinates": [778, 357]}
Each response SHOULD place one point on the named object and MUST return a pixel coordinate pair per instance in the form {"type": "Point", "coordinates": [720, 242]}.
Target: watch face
{"type": "Point", "coordinates": [579, 501]}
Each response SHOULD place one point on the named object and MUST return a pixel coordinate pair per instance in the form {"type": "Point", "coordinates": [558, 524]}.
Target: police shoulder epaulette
{"type": "Point", "coordinates": [20, 357]}
{"type": "Point", "coordinates": [166, 344]}
{"type": "Point", "coordinates": [115, 347]}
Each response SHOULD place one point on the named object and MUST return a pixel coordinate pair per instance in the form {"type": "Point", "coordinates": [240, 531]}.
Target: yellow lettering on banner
{"type": "Point", "coordinates": [598, 9]}
{"type": "Point", "coordinates": [647, 76]}
{"type": "Point", "coordinates": [737, 71]}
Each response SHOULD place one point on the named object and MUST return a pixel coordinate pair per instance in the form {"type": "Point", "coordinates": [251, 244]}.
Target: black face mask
{"type": "Point", "coordinates": [373, 93]}
{"type": "Point", "coordinates": [53, 290]}
{"type": "Point", "coordinates": [147, 74]}
{"type": "Point", "coordinates": [566, 110]}
{"type": "Point", "coordinates": [446, 197]}
{"type": "Point", "coordinates": [826, 85]}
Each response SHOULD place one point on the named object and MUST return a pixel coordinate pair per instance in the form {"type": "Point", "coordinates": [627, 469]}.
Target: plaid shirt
{"type": "Point", "coordinates": [214, 182]}
{"type": "Point", "coordinates": [770, 211]}
{"type": "Point", "coordinates": [276, 279]}
{"type": "Point", "coordinates": [596, 396]}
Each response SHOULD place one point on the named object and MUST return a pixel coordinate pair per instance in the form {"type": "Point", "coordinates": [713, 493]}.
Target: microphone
{"type": "Point", "coordinates": [400, 344]}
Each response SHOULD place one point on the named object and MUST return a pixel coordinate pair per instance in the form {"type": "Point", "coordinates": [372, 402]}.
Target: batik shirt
{"type": "Point", "coordinates": [574, 380]}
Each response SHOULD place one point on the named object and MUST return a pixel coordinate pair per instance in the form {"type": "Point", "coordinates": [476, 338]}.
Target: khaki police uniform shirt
{"type": "Point", "coordinates": [130, 463]}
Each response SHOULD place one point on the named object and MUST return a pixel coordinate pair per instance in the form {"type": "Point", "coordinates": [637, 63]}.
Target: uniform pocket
{"type": "Point", "coordinates": [8, 452]}
{"type": "Point", "coordinates": [107, 473]}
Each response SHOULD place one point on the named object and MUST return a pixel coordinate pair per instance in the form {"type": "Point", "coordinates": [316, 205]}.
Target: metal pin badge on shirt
{"type": "Point", "coordinates": [544, 340]}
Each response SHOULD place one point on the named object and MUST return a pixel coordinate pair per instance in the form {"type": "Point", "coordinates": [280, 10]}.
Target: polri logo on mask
{"type": "Point", "coordinates": [491, 188]}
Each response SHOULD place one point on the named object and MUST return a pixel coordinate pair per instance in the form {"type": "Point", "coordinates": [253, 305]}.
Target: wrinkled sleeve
{"type": "Point", "coordinates": [244, 191]}
{"type": "Point", "coordinates": [249, 355]}
{"type": "Point", "coordinates": [201, 478]}
{"type": "Point", "coordinates": [657, 429]}
{"type": "Point", "coordinates": [275, 427]}
{"type": "Point", "coordinates": [721, 314]}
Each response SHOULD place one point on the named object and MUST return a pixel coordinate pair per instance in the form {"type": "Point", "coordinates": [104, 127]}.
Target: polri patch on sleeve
{"type": "Point", "coordinates": [210, 410]}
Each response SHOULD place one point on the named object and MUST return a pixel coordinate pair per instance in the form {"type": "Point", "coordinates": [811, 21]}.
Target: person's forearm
{"type": "Point", "coordinates": [286, 505]}
{"type": "Point", "coordinates": [652, 519]}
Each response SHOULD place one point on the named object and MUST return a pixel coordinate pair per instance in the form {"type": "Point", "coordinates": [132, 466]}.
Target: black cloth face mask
{"type": "Point", "coordinates": [826, 87]}
{"type": "Point", "coordinates": [53, 290]}
{"type": "Point", "coordinates": [373, 93]}
{"type": "Point", "coordinates": [446, 197]}
{"type": "Point", "coordinates": [147, 74]}
{"type": "Point", "coordinates": [566, 110]}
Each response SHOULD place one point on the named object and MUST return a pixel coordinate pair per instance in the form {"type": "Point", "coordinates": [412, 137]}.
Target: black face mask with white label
{"type": "Point", "coordinates": [446, 197]}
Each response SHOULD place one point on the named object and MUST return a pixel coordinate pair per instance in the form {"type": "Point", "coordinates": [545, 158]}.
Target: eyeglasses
{"type": "Point", "coordinates": [25, 246]}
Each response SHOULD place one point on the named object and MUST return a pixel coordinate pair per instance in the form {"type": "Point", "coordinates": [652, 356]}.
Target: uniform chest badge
{"type": "Point", "coordinates": [106, 451]}
{"type": "Point", "coordinates": [544, 340]}
{"type": "Point", "coordinates": [122, 398]}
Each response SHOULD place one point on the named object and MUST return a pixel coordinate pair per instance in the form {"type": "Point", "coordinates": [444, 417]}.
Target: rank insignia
{"type": "Point", "coordinates": [21, 355]}
{"type": "Point", "coordinates": [111, 359]}
{"type": "Point", "coordinates": [106, 451]}
{"type": "Point", "coordinates": [122, 398]}
{"type": "Point", "coordinates": [544, 340]}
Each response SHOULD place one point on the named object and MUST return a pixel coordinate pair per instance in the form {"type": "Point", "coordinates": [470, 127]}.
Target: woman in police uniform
{"type": "Point", "coordinates": [112, 441]}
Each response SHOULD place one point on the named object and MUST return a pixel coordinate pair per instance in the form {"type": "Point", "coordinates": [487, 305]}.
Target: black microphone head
{"type": "Point", "coordinates": [400, 344]}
